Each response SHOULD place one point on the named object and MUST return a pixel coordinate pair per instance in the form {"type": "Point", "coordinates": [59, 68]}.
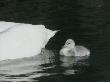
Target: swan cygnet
{"type": "Point", "coordinates": [19, 40]}
{"type": "Point", "coordinates": [69, 49]}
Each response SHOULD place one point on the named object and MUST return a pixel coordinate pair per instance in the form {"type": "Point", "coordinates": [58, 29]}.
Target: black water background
{"type": "Point", "coordinates": [85, 21]}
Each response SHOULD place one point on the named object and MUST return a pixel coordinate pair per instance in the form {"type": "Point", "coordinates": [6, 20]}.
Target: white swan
{"type": "Point", "coordinates": [69, 49]}
{"type": "Point", "coordinates": [18, 40]}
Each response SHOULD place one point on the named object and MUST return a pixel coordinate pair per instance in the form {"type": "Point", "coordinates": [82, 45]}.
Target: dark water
{"type": "Point", "coordinates": [85, 21]}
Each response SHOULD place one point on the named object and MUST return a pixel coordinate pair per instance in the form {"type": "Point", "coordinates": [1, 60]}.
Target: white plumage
{"type": "Point", "coordinates": [18, 40]}
{"type": "Point", "coordinates": [69, 49]}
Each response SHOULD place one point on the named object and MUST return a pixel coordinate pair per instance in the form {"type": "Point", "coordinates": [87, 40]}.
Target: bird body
{"type": "Point", "coordinates": [18, 40]}
{"type": "Point", "coordinates": [69, 49]}
{"type": "Point", "coordinates": [81, 51]}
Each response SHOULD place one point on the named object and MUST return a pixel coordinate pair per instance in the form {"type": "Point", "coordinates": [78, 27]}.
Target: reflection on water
{"type": "Point", "coordinates": [37, 68]}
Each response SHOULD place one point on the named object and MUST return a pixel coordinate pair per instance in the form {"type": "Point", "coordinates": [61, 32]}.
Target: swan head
{"type": "Point", "coordinates": [70, 43]}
